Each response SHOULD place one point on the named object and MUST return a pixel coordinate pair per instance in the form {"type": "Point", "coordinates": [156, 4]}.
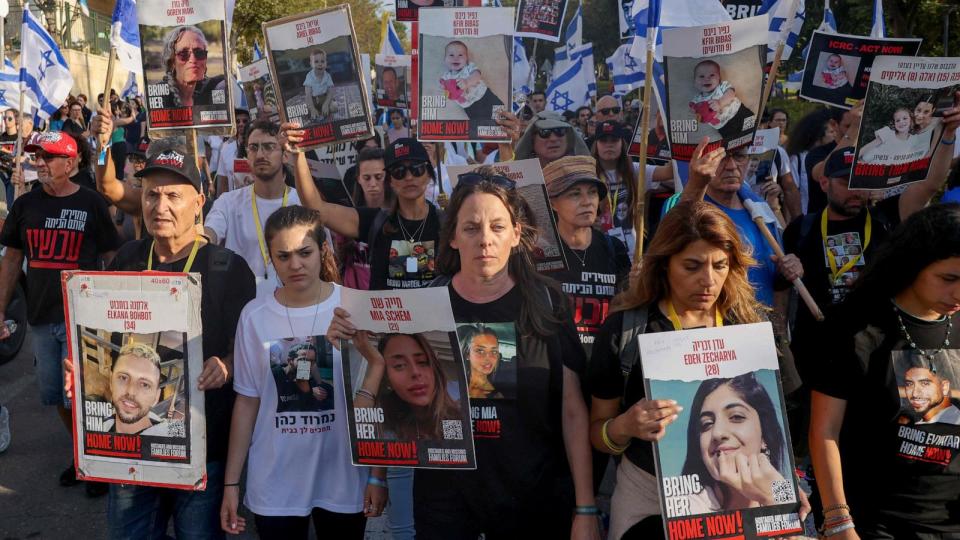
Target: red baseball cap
{"type": "Point", "coordinates": [57, 143]}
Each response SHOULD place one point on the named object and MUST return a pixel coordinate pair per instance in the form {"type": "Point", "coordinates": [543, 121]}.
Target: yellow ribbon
{"type": "Point", "coordinates": [675, 319]}
{"type": "Point", "coordinates": [868, 229]}
{"type": "Point", "coordinates": [186, 268]}
{"type": "Point", "coordinates": [256, 223]}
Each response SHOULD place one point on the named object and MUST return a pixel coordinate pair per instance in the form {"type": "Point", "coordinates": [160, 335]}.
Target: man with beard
{"type": "Point", "coordinates": [928, 395]}
{"type": "Point", "coordinates": [134, 391]}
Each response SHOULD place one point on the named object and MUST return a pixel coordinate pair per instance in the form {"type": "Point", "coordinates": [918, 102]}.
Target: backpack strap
{"type": "Point", "coordinates": [634, 324]}
{"type": "Point", "coordinates": [375, 228]}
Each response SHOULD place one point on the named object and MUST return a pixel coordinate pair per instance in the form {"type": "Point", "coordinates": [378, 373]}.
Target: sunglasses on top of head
{"type": "Point", "coordinates": [399, 172]}
{"type": "Point", "coordinates": [198, 53]}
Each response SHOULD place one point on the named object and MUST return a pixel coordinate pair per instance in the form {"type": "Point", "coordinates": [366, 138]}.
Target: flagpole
{"type": "Point", "coordinates": [533, 65]}
{"type": "Point", "coordinates": [106, 103]}
{"type": "Point", "coordinates": [640, 205]}
{"type": "Point", "coordinates": [18, 189]}
{"type": "Point", "coordinates": [772, 77]}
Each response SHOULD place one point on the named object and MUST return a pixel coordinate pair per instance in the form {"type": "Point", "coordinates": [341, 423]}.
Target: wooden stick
{"type": "Point", "coordinates": [19, 189]}
{"type": "Point", "coordinates": [106, 93]}
{"type": "Point", "coordinates": [640, 205]}
{"type": "Point", "coordinates": [771, 80]}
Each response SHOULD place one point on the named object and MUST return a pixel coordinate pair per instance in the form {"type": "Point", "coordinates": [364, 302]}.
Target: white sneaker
{"type": "Point", "coordinates": [4, 428]}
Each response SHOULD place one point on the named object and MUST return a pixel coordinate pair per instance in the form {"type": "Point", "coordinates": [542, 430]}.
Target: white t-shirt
{"type": "Point", "coordinates": [228, 153]}
{"type": "Point", "coordinates": [318, 85]}
{"type": "Point", "coordinates": [232, 219]}
{"type": "Point", "coordinates": [299, 458]}
{"type": "Point", "coordinates": [215, 142]}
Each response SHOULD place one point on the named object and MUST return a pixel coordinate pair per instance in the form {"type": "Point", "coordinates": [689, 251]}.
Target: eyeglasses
{"type": "Point", "coordinates": [609, 110]}
{"type": "Point", "coordinates": [475, 179]}
{"type": "Point", "coordinates": [268, 148]}
{"type": "Point", "coordinates": [399, 172]}
{"type": "Point", "coordinates": [738, 157]}
{"type": "Point", "coordinates": [493, 354]}
{"type": "Point", "coordinates": [556, 132]}
{"type": "Point", "coordinates": [198, 53]}
{"type": "Point", "coordinates": [45, 157]}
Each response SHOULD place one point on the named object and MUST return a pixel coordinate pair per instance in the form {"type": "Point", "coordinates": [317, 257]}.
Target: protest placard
{"type": "Point", "coordinates": [393, 80]}
{"type": "Point", "coordinates": [658, 141]}
{"type": "Point", "coordinates": [408, 10]}
{"type": "Point", "coordinates": [761, 153]}
{"type": "Point", "coordinates": [259, 91]}
{"type": "Point", "coordinates": [540, 19]}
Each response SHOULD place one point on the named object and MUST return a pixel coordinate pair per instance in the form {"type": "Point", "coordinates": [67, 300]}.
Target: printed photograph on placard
{"type": "Point", "coordinates": [259, 91]}
{"type": "Point", "coordinates": [408, 10]}
{"type": "Point", "coordinates": [902, 119]}
{"type": "Point", "coordinates": [727, 381]}
{"type": "Point", "coordinates": [134, 344]}
{"type": "Point", "coordinates": [658, 141]}
{"type": "Point", "coordinates": [760, 167]}
{"type": "Point", "coordinates": [540, 19]}
{"type": "Point", "coordinates": [405, 381]}
{"type": "Point", "coordinates": [412, 260]}
{"type": "Point", "coordinates": [185, 61]}
{"type": "Point", "coordinates": [490, 351]}
{"type": "Point", "coordinates": [465, 60]}
{"type": "Point", "coordinates": [714, 77]}
{"type": "Point", "coordinates": [393, 80]}
{"type": "Point", "coordinates": [315, 66]}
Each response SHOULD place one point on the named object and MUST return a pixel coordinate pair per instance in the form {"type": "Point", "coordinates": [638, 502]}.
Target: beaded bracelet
{"type": "Point", "coordinates": [833, 507]}
{"type": "Point", "coordinates": [587, 510]}
{"type": "Point", "coordinates": [838, 529]}
{"type": "Point", "coordinates": [608, 442]}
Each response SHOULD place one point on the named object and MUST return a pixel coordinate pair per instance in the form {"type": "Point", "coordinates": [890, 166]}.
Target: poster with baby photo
{"type": "Point", "coordinates": [315, 65]}
{"type": "Point", "coordinates": [528, 177]}
{"type": "Point", "coordinates": [540, 19]}
{"type": "Point", "coordinates": [408, 10]}
{"type": "Point", "coordinates": [902, 119]}
{"type": "Point", "coordinates": [135, 348]}
{"type": "Point", "coordinates": [761, 153]}
{"type": "Point", "coordinates": [732, 426]}
{"type": "Point", "coordinates": [465, 76]}
{"type": "Point", "coordinates": [393, 80]}
{"type": "Point", "coordinates": [259, 90]}
{"type": "Point", "coordinates": [714, 80]}
{"type": "Point", "coordinates": [658, 143]}
{"type": "Point", "coordinates": [405, 382]}
{"type": "Point", "coordinates": [837, 69]}
{"type": "Point", "coordinates": [185, 59]}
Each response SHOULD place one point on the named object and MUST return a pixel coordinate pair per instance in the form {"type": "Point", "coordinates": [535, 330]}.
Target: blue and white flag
{"type": "Point", "coordinates": [829, 21]}
{"type": "Point", "coordinates": [827, 25]}
{"type": "Point", "coordinates": [672, 14]}
{"type": "Point", "coordinates": [878, 29]}
{"type": "Point", "coordinates": [584, 53]}
{"type": "Point", "coordinates": [44, 73]}
{"type": "Point", "coordinates": [7, 63]}
{"type": "Point", "coordinates": [10, 87]}
{"type": "Point", "coordinates": [523, 76]}
{"type": "Point", "coordinates": [130, 88]}
{"type": "Point", "coordinates": [389, 40]}
{"type": "Point", "coordinates": [495, 3]}
{"type": "Point", "coordinates": [574, 33]}
{"type": "Point", "coordinates": [625, 71]}
{"type": "Point", "coordinates": [786, 21]}
{"type": "Point", "coordinates": [568, 91]}
{"type": "Point", "coordinates": [125, 35]}
{"type": "Point", "coordinates": [84, 8]}
{"type": "Point", "coordinates": [257, 53]}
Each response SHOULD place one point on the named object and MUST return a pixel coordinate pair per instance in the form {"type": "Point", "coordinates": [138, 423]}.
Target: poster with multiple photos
{"type": "Point", "coordinates": [408, 10]}
{"type": "Point", "coordinates": [540, 19]}
{"type": "Point", "coordinates": [658, 141]}
{"type": "Point", "coordinates": [714, 80]}
{"type": "Point", "coordinates": [315, 66]}
{"type": "Point", "coordinates": [465, 64]}
{"type": "Point", "coordinates": [531, 185]}
{"type": "Point", "coordinates": [135, 343]}
{"type": "Point", "coordinates": [185, 64]}
{"type": "Point", "coordinates": [902, 119]}
{"type": "Point", "coordinates": [259, 91]}
{"type": "Point", "coordinates": [837, 69]}
{"type": "Point", "coordinates": [722, 377]}
{"type": "Point", "coordinates": [406, 387]}
{"type": "Point", "coordinates": [393, 80]}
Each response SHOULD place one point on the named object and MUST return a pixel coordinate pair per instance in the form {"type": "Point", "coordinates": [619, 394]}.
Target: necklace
{"type": "Point", "coordinates": [303, 365]}
{"type": "Point", "coordinates": [583, 260]}
{"type": "Point", "coordinates": [913, 344]}
{"type": "Point", "coordinates": [415, 237]}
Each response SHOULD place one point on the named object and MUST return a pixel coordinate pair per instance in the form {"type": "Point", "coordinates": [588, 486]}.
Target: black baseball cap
{"type": "Point", "coordinates": [609, 128]}
{"type": "Point", "coordinates": [173, 160]}
{"type": "Point", "coordinates": [405, 149]}
{"type": "Point", "coordinates": [839, 163]}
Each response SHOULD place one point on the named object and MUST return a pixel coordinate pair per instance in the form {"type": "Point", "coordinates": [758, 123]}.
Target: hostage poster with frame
{"type": "Point", "coordinates": [837, 69]}
{"type": "Point", "coordinates": [714, 80]}
{"type": "Point", "coordinates": [722, 377]}
{"type": "Point", "coordinates": [761, 167]}
{"type": "Point", "coordinates": [315, 65]}
{"type": "Point", "coordinates": [185, 64]}
{"type": "Point", "coordinates": [258, 88]}
{"type": "Point", "coordinates": [531, 185]}
{"type": "Point", "coordinates": [408, 10]}
{"type": "Point", "coordinates": [393, 80]}
{"type": "Point", "coordinates": [407, 394]}
{"type": "Point", "coordinates": [540, 19]}
{"type": "Point", "coordinates": [902, 120]}
{"type": "Point", "coordinates": [136, 348]}
{"type": "Point", "coordinates": [465, 60]}
{"type": "Point", "coordinates": [658, 140]}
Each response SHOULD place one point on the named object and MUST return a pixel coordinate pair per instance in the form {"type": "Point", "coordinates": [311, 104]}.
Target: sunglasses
{"type": "Point", "coordinates": [475, 179]}
{"type": "Point", "coordinates": [609, 110]}
{"type": "Point", "coordinates": [9, 118]}
{"type": "Point", "coordinates": [44, 156]}
{"type": "Point", "coordinates": [557, 132]}
{"type": "Point", "coordinates": [399, 172]}
{"type": "Point", "coordinates": [198, 53]}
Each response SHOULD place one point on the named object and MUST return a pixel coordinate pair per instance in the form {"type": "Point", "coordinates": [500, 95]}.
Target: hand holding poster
{"type": "Point", "coordinates": [714, 77]}
{"type": "Point", "coordinates": [406, 389]}
{"type": "Point", "coordinates": [393, 80]}
{"type": "Point", "coordinates": [900, 127]}
{"type": "Point", "coordinates": [838, 66]}
{"type": "Point", "coordinates": [465, 75]}
{"type": "Point", "coordinates": [722, 376]}
{"type": "Point", "coordinates": [315, 66]}
{"type": "Point", "coordinates": [185, 61]}
{"type": "Point", "coordinates": [540, 19]}
{"type": "Point", "coordinates": [528, 176]}
{"type": "Point", "coordinates": [259, 90]}
{"type": "Point", "coordinates": [135, 346]}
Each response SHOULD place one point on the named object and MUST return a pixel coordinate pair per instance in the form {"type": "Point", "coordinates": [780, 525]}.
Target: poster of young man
{"type": "Point", "coordinates": [259, 91]}
{"type": "Point", "coordinates": [393, 80]}
{"type": "Point", "coordinates": [405, 386]}
{"type": "Point", "coordinates": [465, 76]}
{"type": "Point", "coordinates": [658, 143]}
{"type": "Point", "coordinates": [315, 65]}
{"type": "Point", "coordinates": [135, 343]}
{"type": "Point", "coordinates": [837, 70]}
{"type": "Point", "coordinates": [408, 10]}
{"type": "Point", "coordinates": [902, 119]}
{"type": "Point", "coordinates": [714, 77]}
{"type": "Point", "coordinates": [528, 176]}
{"type": "Point", "coordinates": [727, 381]}
{"type": "Point", "coordinates": [540, 19]}
{"type": "Point", "coordinates": [185, 61]}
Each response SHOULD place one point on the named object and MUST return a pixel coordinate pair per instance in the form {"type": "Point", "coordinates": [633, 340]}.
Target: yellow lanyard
{"type": "Point", "coordinates": [256, 223]}
{"type": "Point", "coordinates": [675, 319]}
{"type": "Point", "coordinates": [186, 268]}
{"type": "Point", "coordinates": [612, 201]}
{"type": "Point", "coordinates": [867, 230]}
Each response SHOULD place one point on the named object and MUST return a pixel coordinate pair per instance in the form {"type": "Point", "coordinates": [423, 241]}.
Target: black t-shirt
{"type": "Point", "coordinates": [518, 431]}
{"type": "Point", "coordinates": [85, 178]}
{"type": "Point", "coordinates": [57, 233]}
{"type": "Point", "coordinates": [591, 282]}
{"type": "Point", "coordinates": [816, 198]}
{"type": "Point", "coordinates": [397, 263]}
{"type": "Point", "coordinates": [227, 285]}
{"type": "Point", "coordinates": [899, 455]}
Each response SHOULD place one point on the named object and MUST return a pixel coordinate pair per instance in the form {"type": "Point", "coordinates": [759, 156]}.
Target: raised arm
{"type": "Point", "coordinates": [121, 194]}
{"type": "Point", "coordinates": [702, 169]}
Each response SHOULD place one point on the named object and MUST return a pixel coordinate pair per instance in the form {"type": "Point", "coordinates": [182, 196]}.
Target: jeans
{"type": "Point", "coordinates": [49, 350]}
{"type": "Point", "coordinates": [326, 524]}
{"type": "Point", "coordinates": [400, 509]}
{"type": "Point", "coordinates": [142, 512]}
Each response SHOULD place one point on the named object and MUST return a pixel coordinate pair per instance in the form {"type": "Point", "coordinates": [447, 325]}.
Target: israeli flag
{"type": "Point", "coordinates": [130, 89]}
{"type": "Point", "coordinates": [257, 53]}
{"type": "Point", "coordinates": [389, 40]}
{"type": "Point", "coordinates": [786, 21]}
{"type": "Point", "coordinates": [574, 32]}
{"type": "Point", "coordinates": [10, 87]}
{"type": "Point", "coordinates": [568, 91]}
{"type": "Point", "coordinates": [584, 53]}
{"type": "Point", "coordinates": [84, 8]}
{"type": "Point", "coordinates": [561, 60]}
{"type": "Point", "coordinates": [672, 14]}
{"type": "Point", "coordinates": [44, 73]}
{"type": "Point", "coordinates": [829, 21]}
{"type": "Point", "coordinates": [522, 74]}
{"type": "Point", "coordinates": [878, 29]}
{"type": "Point", "coordinates": [625, 71]}
{"type": "Point", "coordinates": [125, 35]}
